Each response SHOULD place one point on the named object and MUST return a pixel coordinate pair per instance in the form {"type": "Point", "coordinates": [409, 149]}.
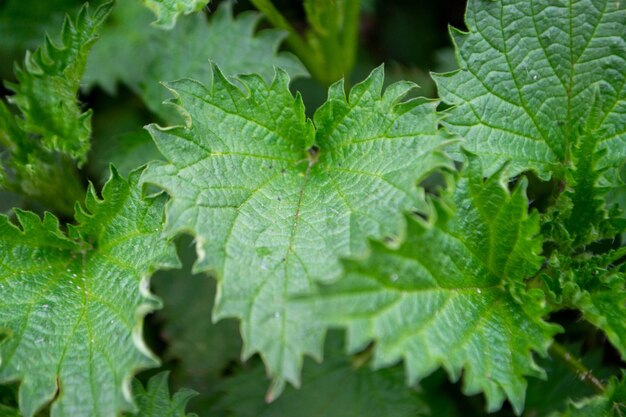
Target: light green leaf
{"type": "Point", "coordinates": [154, 400]}
{"type": "Point", "coordinates": [338, 387]}
{"type": "Point", "coordinates": [529, 73]}
{"type": "Point", "coordinates": [163, 58]}
{"type": "Point", "coordinates": [48, 83]}
{"type": "Point", "coordinates": [73, 304]}
{"type": "Point", "coordinates": [444, 297]}
{"type": "Point", "coordinates": [167, 11]}
{"type": "Point", "coordinates": [274, 199]}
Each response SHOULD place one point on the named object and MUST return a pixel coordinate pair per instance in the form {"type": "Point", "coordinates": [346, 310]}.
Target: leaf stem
{"type": "Point", "coordinates": [582, 372]}
{"type": "Point", "coordinates": [294, 39]}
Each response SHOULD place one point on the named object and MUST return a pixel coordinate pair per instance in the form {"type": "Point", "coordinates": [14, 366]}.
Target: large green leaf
{"type": "Point", "coordinates": [167, 11]}
{"type": "Point", "coordinates": [274, 199]}
{"type": "Point", "coordinates": [154, 400]}
{"type": "Point", "coordinates": [72, 304]}
{"type": "Point", "coordinates": [163, 58]}
{"type": "Point", "coordinates": [529, 73]}
{"type": "Point", "coordinates": [339, 387]}
{"type": "Point", "coordinates": [451, 295]}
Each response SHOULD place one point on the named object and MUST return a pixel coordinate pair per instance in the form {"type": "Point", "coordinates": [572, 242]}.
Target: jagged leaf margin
{"type": "Point", "coordinates": [73, 304]}
{"type": "Point", "coordinates": [453, 295]}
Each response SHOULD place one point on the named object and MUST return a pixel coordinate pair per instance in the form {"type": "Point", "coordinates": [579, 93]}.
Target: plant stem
{"type": "Point", "coordinates": [582, 372]}
{"type": "Point", "coordinates": [297, 43]}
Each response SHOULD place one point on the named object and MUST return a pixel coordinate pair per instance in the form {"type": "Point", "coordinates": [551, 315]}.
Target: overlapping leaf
{"type": "Point", "coordinates": [530, 71]}
{"type": "Point", "coordinates": [274, 199]}
{"type": "Point", "coordinates": [72, 304]}
{"type": "Point", "coordinates": [154, 400]}
{"type": "Point", "coordinates": [167, 11]}
{"type": "Point", "coordinates": [444, 297]}
{"type": "Point", "coordinates": [339, 387]}
{"type": "Point", "coordinates": [163, 59]}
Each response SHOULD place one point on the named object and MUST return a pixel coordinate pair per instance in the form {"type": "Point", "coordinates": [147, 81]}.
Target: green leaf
{"type": "Point", "coordinates": [155, 401]}
{"type": "Point", "coordinates": [273, 199]}
{"type": "Point", "coordinates": [163, 58]}
{"type": "Point", "coordinates": [73, 304]}
{"type": "Point", "coordinates": [338, 387]}
{"type": "Point", "coordinates": [529, 74]}
{"type": "Point", "coordinates": [48, 83]}
{"type": "Point", "coordinates": [167, 11]}
{"type": "Point", "coordinates": [450, 295]}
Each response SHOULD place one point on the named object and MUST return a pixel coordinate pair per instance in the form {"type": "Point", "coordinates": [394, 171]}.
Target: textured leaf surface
{"type": "Point", "coordinates": [167, 11]}
{"type": "Point", "coordinates": [72, 305]}
{"type": "Point", "coordinates": [163, 58]}
{"type": "Point", "coordinates": [271, 213]}
{"type": "Point", "coordinates": [338, 387]}
{"type": "Point", "coordinates": [47, 87]}
{"type": "Point", "coordinates": [530, 71]}
{"type": "Point", "coordinates": [154, 400]}
{"type": "Point", "coordinates": [443, 298]}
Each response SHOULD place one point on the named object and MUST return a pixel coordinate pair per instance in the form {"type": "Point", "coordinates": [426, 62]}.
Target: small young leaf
{"type": "Point", "coordinates": [48, 84]}
{"type": "Point", "coordinates": [154, 400]}
{"type": "Point", "coordinates": [443, 298]}
{"type": "Point", "coordinates": [73, 304]}
{"type": "Point", "coordinates": [274, 199]}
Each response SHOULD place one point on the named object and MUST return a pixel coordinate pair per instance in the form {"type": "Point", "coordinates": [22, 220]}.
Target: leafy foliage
{"type": "Point", "coordinates": [279, 204]}
{"type": "Point", "coordinates": [72, 304]}
{"type": "Point", "coordinates": [444, 297]}
{"type": "Point", "coordinates": [451, 279]}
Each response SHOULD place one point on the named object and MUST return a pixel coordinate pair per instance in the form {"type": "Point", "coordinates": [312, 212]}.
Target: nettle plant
{"type": "Point", "coordinates": [477, 238]}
